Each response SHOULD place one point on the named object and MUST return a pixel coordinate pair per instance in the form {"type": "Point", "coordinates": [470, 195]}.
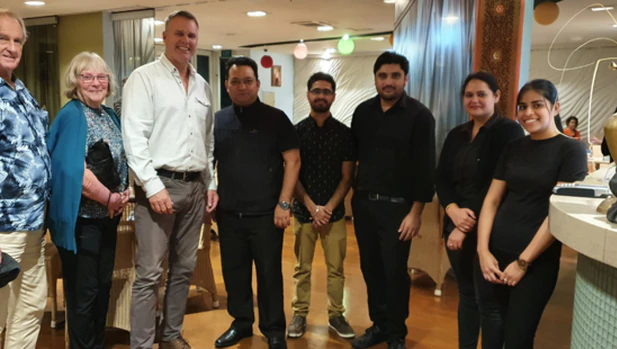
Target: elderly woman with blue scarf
{"type": "Point", "coordinates": [85, 206]}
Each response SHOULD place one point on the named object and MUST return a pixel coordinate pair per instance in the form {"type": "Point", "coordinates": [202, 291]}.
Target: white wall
{"type": "Point", "coordinates": [576, 85]}
{"type": "Point", "coordinates": [284, 95]}
{"type": "Point", "coordinates": [354, 84]}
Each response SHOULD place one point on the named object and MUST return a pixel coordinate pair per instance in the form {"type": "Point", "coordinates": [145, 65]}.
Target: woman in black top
{"type": "Point", "coordinates": [466, 165]}
{"type": "Point", "coordinates": [518, 256]}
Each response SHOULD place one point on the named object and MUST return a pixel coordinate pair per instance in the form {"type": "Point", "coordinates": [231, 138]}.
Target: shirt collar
{"type": "Point", "coordinates": [172, 68]}
{"type": "Point", "coordinates": [328, 121]}
{"type": "Point", "coordinates": [489, 123]}
{"type": "Point", "coordinates": [243, 110]}
{"type": "Point", "coordinates": [402, 102]}
{"type": "Point", "coordinates": [18, 84]}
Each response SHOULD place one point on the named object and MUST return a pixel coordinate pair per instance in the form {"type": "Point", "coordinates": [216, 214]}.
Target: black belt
{"type": "Point", "coordinates": [183, 176]}
{"type": "Point", "coordinates": [379, 197]}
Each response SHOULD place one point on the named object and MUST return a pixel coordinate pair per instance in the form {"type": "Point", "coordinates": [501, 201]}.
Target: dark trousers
{"type": "Point", "coordinates": [87, 281]}
{"type": "Point", "coordinates": [462, 262]}
{"type": "Point", "coordinates": [242, 241]}
{"type": "Point", "coordinates": [383, 260]}
{"type": "Point", "coordinates": [510, 315]}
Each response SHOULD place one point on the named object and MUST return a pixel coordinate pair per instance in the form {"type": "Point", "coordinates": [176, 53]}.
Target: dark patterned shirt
{"type": "Point", "coordinates": [101, 126]}
{"type": "Point", "coordinates": [322, 150]}
{"type": "Point", "coordinates": [25, 165]}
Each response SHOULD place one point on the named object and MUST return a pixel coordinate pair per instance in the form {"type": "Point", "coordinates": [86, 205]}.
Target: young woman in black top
{"type": "Point", "coordinates": [467, 162]}
{"type": "Point", "coordinates": [518, 256]}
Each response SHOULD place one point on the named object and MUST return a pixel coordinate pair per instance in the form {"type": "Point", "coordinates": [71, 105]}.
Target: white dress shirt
{"type": "Point", "coordinates": [164, 127]}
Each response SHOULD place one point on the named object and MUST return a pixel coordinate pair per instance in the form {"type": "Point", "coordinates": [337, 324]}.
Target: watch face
{"type": "Point", "coordinates": [284, 205]}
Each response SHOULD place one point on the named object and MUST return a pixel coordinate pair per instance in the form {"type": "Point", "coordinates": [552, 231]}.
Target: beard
{"type": "Point", "coordinates": [320, 107]}
{"type": "Point", "coordinates": [390, 97]}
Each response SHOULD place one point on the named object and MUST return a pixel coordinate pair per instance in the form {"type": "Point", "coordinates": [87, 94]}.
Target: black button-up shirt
{"type": "Point", "coordinates": [323, 150]}
{"type": "Point", "coordinates": [395, 149]}
{"type": "Point", "coordinates": [466, 167]}
{"type": "Point", "coordinates": [248, 146]}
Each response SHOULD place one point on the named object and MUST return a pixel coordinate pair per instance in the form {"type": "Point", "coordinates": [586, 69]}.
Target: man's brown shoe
{"type": "Point", "coordinates": [178, 343]}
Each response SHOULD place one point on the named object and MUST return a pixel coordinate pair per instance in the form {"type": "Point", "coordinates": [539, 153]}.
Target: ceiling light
{"type": "Point", "coordinates": [325, 28]}
{"type": "Point", "coordinates": [389, 1]}
{"type": "Point", "coordinates": [331, 50]}
{"type": "Point", "coordinates": [614, 25]}
{"type": "Point", "coordinates": [256, 13]}
{"type": "Point", "coordinates": [605, 8]}
{"type": "Point", "coordinates": [34, 3]}
{"type": "Point", "coordinates": [158, 40]}
{"type": "Point", "coordinates": [158, 22]}
{"type": "Point", "coordinates": [378, 38]}
{"type": "Point", "coordinates": [217, 47]}
{"type": "Point", "coordinates": [326, 55]}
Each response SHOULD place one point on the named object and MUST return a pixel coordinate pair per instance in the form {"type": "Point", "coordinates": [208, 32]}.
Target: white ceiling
{"type": "Point", "coordinates": [587, 25]}
{"type": "Point", "coordinates": [224, 22]}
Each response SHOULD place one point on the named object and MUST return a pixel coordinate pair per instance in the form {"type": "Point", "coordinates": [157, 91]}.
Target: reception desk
{"type": "Point", "coordinates": [575, 222]}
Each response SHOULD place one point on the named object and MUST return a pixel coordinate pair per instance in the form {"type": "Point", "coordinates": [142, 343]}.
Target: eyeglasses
{"type": "Point", "coordinates": [89, 78]}
{"type": "Point", "coordinates": [325, 92]}
{"type": "Point", "coordinates": [247, 82]}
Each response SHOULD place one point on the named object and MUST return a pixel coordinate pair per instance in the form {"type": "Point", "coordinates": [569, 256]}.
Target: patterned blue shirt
{"type": "Point", "coordinates": [101, 126]}
{"type": "Point", "coordinates": [25, 165]}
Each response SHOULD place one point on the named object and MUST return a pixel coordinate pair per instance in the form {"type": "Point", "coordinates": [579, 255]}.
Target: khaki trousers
{"type": "Point", "coordinates": [334, 243]}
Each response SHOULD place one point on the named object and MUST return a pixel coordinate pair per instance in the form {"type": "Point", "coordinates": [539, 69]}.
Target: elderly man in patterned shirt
{"type": "Point", "coordinates": [24, 188]}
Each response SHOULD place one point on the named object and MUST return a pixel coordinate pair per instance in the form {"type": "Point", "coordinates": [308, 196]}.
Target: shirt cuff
{"type": "Point", "coordinates": [212, 185]}
{"type": "Point", "coordinates": [153, 186]}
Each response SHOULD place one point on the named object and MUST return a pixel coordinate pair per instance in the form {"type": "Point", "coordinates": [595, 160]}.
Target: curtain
{"type": "Point", "coordinates": [38, 69]}
{"type": "Point", "coordinates": [133, 46]}
{"type": "Point", "coordinates": [437, 37]}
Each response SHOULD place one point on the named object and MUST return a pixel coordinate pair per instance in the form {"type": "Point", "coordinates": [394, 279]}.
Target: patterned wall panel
{"type": "Point", "coordinates": [498, 36]}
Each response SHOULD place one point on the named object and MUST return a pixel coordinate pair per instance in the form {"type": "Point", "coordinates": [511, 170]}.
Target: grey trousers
{"type": "Point", "coordinates": [157, 235]}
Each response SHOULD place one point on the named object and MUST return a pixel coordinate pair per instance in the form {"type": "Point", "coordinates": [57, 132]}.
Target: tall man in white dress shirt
{"type": "Point", "coordinates": [167, 124]}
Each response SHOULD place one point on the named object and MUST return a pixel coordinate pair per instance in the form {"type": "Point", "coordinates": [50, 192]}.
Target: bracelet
{"type": "Point", "coordinates": [108, 199]}
{"type": "Point", "coordinates": [446, 209]}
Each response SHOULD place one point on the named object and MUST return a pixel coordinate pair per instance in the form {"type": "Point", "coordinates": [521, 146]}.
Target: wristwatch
{"type": "Point", "coordinates": [284, 205]}
{"type": "Point", "coordinates": [522, 264]}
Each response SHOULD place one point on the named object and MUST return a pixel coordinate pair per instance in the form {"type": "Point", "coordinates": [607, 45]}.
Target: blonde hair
{"type": "Point", "coordinates": [81, 62]}
{"type": "Point", "coordinates": [10, 14]}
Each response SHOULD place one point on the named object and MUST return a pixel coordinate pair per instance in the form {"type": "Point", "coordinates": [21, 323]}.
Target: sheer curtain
{"type": "Point", "coordinates": [39, 67]}
{"type": "Point", "coordinates": [133, 46]}
{"type": "Point", "coordinates": [437, 36]}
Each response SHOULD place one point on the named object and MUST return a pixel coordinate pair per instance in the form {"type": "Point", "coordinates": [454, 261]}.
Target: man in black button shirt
{"type": "Point", "coordinates": [328, 162]}
{"type": "Point", "coordinates": [256, 149]}
{"type": "Point", "coordinates": [395, 143]}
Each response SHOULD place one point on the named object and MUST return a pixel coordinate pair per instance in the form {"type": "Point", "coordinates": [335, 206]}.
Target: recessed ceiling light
{"type": "Point", "coordinates": [326, 55]}
{"type": "Point", "coordinates": [256, 13]}
{"type": "Point", "coordinates": [158, 40]}
{"type": "Point", "coordinates": [614, 25]}
{"type": "Point", "coordinates": [389, 1]}
{"type": "Point", "coordinates": [158, 22]}
{"type": "Point", "coordinates": [34, 3]}
{"type": "Point", "coordinates": [378, 38]}
{"type": "Point", "coordinates": [217, 47]}
{"type": "Point", "coordinates": [325, 28]}
{"type": "Point", "coordinates": [605, 8]}
{"type": "Point", "coordinates": [331, 50]}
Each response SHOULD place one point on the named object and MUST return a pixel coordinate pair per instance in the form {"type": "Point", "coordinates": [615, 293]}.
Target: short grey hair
{"type": "Point", "coordinates": [10, 14]}
{"type": "Point", "coordinates": [183, 14]}
{"type": "Point", "coordinates": [81, 62]}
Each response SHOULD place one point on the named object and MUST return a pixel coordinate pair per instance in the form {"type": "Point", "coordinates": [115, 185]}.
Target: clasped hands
{"type": "Point", "coordinates": [465, 220]}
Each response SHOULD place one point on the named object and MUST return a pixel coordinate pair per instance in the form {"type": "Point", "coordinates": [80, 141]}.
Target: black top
{"type": "Point", "coordinates": [465, 169]}
{"type": "Point", "coordinates": [395, 149]}
{"type": "Point", "coordinates": [323, 150]}
{"type": "Point", "coordinates": [531, 169]}
{"type": "Point", "coordinates": [248, 147]}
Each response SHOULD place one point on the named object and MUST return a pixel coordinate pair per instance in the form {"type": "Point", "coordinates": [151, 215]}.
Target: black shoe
{"type": "Point", "coordinates": [373, 336]}
{"type": "Point", "coordinates": [277, 342]}
{"type": "Point", "coordinates": [396, 343]}
{"type": "Point", "coordinates": [231, 337]}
